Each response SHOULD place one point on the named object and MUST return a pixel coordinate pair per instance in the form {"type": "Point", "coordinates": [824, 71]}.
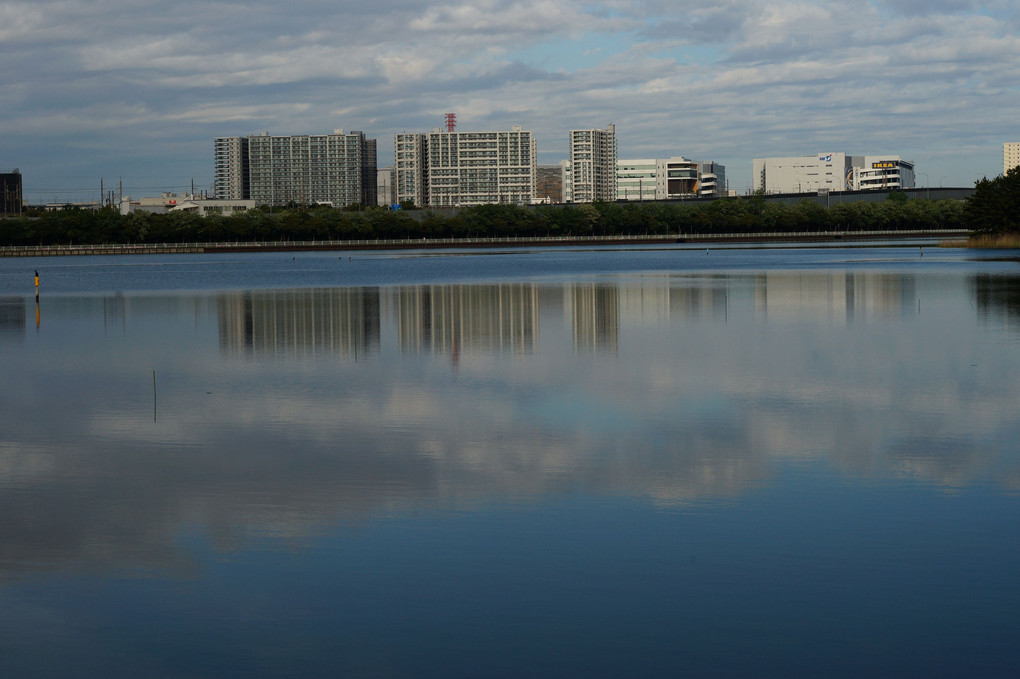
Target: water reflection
{"type": "Point", "coordinates": [339, 321]}
{"type": "Point", "coordinates": [672, 388]}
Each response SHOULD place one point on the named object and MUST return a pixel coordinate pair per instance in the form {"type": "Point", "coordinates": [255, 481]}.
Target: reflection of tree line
{"type": "Point", "coordinates": [998, 297]}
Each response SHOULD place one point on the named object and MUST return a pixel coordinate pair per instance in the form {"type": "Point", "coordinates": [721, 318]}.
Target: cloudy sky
{"type": "Point", "coordinates": [136, 90]}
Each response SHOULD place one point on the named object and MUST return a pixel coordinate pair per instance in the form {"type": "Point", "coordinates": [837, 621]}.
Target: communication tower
{"type": "Point", "coordinates": [451, 122]}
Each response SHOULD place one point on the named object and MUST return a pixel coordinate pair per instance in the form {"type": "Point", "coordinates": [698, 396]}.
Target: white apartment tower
{"type": "Point", "coordinates": [462, 169]}
{"type": "Point", "coordinates": [1010, 156]}
{"type": "Point", "coordinates": [592, 165]}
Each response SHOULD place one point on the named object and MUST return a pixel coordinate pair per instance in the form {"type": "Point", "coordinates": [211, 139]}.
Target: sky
{"type": "Point", "coordinates": [133, 92]}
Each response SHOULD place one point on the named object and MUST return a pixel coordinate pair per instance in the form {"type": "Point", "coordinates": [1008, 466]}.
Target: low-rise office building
{"type": "Point", "coordinates": [831, 172]}
{"type": "Point", "coordinates": [673, 178]}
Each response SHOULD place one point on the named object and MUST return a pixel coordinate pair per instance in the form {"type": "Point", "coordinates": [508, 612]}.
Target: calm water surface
{"type": "Point", "coordinates": [567, 462]}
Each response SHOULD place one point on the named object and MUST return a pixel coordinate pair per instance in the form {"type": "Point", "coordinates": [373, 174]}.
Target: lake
{"type": "Point", "coordinates": [567, 462]}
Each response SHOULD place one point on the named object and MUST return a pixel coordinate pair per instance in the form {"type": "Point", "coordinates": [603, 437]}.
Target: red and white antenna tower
{"type": "Point", "coordinates": [451, 122]}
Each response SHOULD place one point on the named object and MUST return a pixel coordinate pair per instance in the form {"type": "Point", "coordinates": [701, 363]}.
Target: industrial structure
{"type": "Point", "coordinates": [337, 169]}
{"type": "Point", "coordinates": [831, 172]}
{"type": "Point", "coordinates": [462, 169]}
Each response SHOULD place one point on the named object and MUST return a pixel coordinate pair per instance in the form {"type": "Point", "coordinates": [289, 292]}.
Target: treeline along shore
{"type": "Point", "coordinates": [745, 218]}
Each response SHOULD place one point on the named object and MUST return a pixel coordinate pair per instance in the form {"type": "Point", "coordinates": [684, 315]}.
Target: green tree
{"type": "Point", "coordinates": [994, 207]}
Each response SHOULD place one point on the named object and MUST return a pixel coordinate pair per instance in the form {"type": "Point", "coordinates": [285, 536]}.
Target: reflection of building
{"type": "Point", "coordinates": [596, 317]}
{"type": "Point", "coordinates": [831, 171]}
{"type": "Point", "coordinates": [340, 321]}
{"type": "Point", "coordinates": [12, 317]}
{"type": "Point", "coordinates": [836, 296]}
{"type": "Point", "coordinates": [592, 166]}
{"type": "Point", "coordinates": [461, 169]}
{"type": "Point", "coordinates": [998, 297]}
{"type": "Point", "coordinates": [461, 318]}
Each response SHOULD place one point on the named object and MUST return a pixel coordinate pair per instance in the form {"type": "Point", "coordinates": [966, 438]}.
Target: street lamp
{"type": "Point", "coordinates": [927, 183]}
{"type": "Point", "coordinates": [940, 180]}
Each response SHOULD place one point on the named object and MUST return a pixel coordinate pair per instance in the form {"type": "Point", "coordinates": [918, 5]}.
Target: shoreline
{"type": "Point", "coordinates": [469, 243]}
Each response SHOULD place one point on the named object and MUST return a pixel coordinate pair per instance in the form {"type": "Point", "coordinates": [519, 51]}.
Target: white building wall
{"type": "Point", "coordinates": [1010, 156]}
{"type": "Point", "coordinates": [636, 179]}
{"type": "Point", "coordinates": [800, 174]}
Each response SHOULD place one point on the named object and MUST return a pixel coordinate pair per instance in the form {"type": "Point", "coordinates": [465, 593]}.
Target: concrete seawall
{"type": "Point", "coordinates": [452, 243]}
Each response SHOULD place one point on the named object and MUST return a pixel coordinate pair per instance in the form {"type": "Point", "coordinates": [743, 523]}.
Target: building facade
{"type": "Point", "coordinates": [1010, 156]}
{"type": "Point", "coordinates": [592, 172]}
{"type": "Point", "coordinates": [831, 172]}
{"type": "Point", "coordinates": [462, 169]}
{"type": "Point", "coordinates": [549, 184]}
{"type": "Point", "coordinates": [11, 203]}
{"type": "Point", "coordinates": [673, 178]}
{"type": "Point", "coordinates": [336, 169]}
{"type": "Point", "coordinates": [386, 186]}
{"type": "Point", "coordinates": [231, 168]}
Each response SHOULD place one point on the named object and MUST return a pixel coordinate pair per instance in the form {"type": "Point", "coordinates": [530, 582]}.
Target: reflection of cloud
{"type": "Point", "coordinates": [701, 397]}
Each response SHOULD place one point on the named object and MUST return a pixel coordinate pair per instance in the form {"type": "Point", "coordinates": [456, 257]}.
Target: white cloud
{"type": "Point", "coordinates": [725, 80]}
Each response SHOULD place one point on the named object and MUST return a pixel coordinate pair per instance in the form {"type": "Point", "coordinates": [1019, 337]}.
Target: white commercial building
{"type": "Point", "coordinates": [673, 178]}
{"type": "Point", "coordinates": [1010, 156]}
{"type": "Point", "coordinates": [832, 172]}
{"type": "Point", "coordinates": [592, 166]}
{"type": "Point", "coordinates": [462, 169]}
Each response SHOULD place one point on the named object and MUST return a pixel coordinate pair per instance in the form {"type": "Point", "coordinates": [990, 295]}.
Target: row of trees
{"type": "Point", "coordinates": [994, 208]}
{"type": "Point", "coordinates": [728, 215]}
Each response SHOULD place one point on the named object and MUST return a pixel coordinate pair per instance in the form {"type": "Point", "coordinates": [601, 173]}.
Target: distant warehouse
{"type": "Point", "coordinates": [833, 172]}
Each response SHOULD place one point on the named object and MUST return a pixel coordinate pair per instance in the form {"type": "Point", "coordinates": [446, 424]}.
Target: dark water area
{"type": "Point", "coordinates": [666, 461]}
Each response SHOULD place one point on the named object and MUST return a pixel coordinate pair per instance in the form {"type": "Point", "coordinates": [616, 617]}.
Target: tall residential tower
{"type": "Point", "coordinates": [461, 169]}
{"type": "Point", "coordinates": [338, 169]}
{"type": "Point", "coordinates": [592, 165]}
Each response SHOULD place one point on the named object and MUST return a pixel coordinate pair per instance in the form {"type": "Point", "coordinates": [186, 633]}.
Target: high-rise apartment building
{"type": "Point", "coordinates": [10, 193]}
{"type": "Point", "coordinates": [409, 168]}
{"type": "Point", "coordinates": [831, 171]}
{"type": "Point", "coordinates": [461, 169]}
{"type": "Point", "coordinates": [1010, 156]}
{"type": "Point", "coordinates": [231, 173]}
{"type": "Point", "coordinates": [592, 165]}
{"type": "Point", "coordinates": [338, 169]}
